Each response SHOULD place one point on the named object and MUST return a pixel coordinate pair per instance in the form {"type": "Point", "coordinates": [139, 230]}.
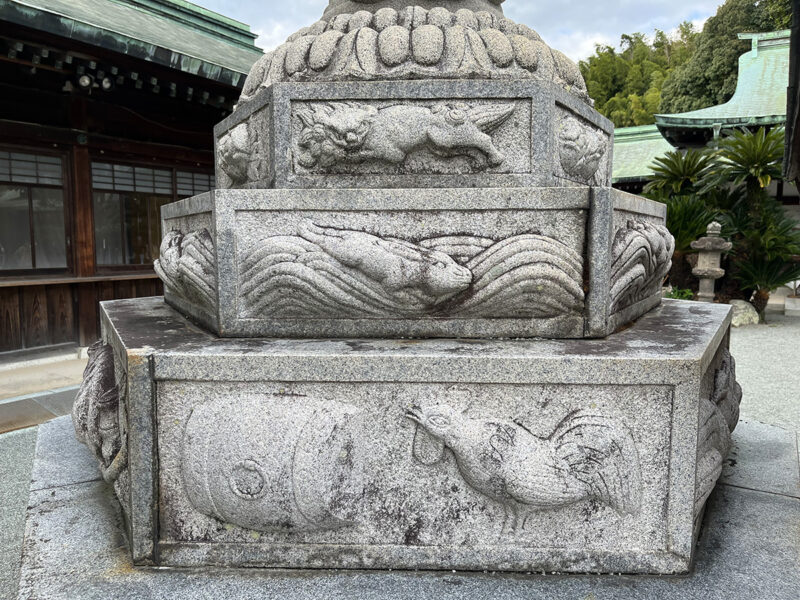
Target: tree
{"type": "Point", "coordinates": [709, 76]}
{"type": "Point", "coordinates": [752, 159]}
{"type": "Point", "coordinates": [765, 241]}
{"type": "Point", "coordinates": [729, 184]}
{"type": "Point", "coordinates": [626, 83]}
{"type": "Point", "coordinates": [775, 14]}
{"type": "Point", "coordinates": [680, 173]}
{"type": "Point", "coordinates": [677, 177]}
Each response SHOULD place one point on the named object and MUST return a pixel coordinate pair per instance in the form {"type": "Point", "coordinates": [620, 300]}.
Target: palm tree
{"type": "Point", "coordinates": [766, 248]}
{"type": "Point", "coordinates": [679, 173]}
{"type": "Point", "coordinates": [765, 242]}
{"type": "Point", "coordinates": [764, 276]}
{"type": "Point", "coordinates": [676, 177]}
{"type": "Point", "coordinates": [752, 159]}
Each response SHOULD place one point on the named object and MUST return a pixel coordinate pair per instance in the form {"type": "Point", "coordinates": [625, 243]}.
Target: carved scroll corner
{"type": "Point", "coordinates": [641, 259]}
{"type": "Point", "coordinates": [582, 149]}
{"type": "Point", "coordinates": [96, 412]}
{"type": "Point", "coordinates": [187, 266]}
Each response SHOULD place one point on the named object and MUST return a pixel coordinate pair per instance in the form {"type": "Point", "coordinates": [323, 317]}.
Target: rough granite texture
{"type": "Point", "coordinates": [413, 43]}
{"type": "Point", "coordinates": [413, 263]}
{"type": "Point", "coordinates": [413, 134]}
{"type": "Point", "coordinates": [744, 313]}
{"type": "Point", "coordinates": [16, 461]}
{"type": "Point", "coordinates": [747, 548]}
{"type": "Point", "coordinates": [362, 453]}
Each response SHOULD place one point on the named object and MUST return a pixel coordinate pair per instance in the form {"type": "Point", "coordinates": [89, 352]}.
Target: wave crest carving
{"type": "Point", "coordinates": [324, 272]}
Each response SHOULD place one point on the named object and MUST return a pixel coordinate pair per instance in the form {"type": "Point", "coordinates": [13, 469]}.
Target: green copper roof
{"type": "Point", "coordinates": [199, 18]}
{"type": "Point", "coordinates": [173, 33]}
{"type": "Point", "coordinates": [634, 151]}
{"type": "Point", "coordinates": [760, 96]}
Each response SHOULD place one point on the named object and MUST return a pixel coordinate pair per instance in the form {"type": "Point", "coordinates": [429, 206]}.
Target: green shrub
{"type": "Point", "coordinates": [680, 294]}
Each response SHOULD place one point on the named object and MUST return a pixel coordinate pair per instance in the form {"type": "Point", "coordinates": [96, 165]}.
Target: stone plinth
{"type": "Point", "coordinates": [528, 455]}
{"type": "Point", "coordinates": [449, 262]}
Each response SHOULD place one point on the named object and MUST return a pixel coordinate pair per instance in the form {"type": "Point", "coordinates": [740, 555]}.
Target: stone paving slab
{"type": "Point", "coordinates": [29, 410]}
{"type": "Point", "coordinates": [75, 549]}
{"type": "Point", "coordinates": [59, 401]}
{"type": "Point", "coordinates": [763, 458]}
{"type": "Point", "coordinates": [32, 378]}
{"type": "Point", "coordinates": [767, 368]}
{"type": "Point", "coordinates": [60, 459]}
{"type": "Point", "coordinates": [18, 414]}
{"type": "Point", "coordinates": [16, 461]}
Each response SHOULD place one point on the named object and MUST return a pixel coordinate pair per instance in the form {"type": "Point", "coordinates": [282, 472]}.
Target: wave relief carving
{"type": "Point", "coordinates": [188, 267]}
{"type": "Point", "coordinates": [323, 272]}
{"type": "Point", "coordinates": [641, 258]}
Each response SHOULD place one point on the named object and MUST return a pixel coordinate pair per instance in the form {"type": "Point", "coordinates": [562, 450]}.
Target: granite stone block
{"type": "Point", "coordinates": [414, 134]}
{"type": "Point", "coordinates": [747, 550]}
{"type": "Point", "coordinates": [414, 263]}
{"type": "Point", "coordinates": [16, 461]}
{"type": "Point", "coordinates": [556, 455]}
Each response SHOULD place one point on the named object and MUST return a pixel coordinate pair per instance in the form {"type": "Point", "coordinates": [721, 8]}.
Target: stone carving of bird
{"type": "Point", "coordinates": [588, 456]}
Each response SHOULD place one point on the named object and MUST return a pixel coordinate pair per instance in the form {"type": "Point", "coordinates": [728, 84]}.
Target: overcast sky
{"type": "Point", "coordinates": [574, 27]}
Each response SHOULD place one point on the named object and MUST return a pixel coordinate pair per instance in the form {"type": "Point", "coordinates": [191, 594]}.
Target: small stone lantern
{"type": "Point", "coordinates": [710, 248]}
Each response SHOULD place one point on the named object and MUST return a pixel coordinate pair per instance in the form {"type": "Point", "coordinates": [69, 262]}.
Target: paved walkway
{"type": "Point", "coordinates": [768, 368]}
{"type": "Point", "coordinates": [32, 393]}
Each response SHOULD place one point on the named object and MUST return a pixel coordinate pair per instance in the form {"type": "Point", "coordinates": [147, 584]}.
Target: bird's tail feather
{"type": "Point", "coordinates": [601, 453]}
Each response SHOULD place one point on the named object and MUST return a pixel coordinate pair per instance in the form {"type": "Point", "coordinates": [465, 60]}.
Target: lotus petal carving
{"type": "Point", "coordinates": [414, 43]}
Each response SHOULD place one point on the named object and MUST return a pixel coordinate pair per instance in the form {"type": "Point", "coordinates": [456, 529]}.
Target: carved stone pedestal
{"type": "Point", "coordinates": [442, 262]}
{"type": "Point", "coordinates": [349, 370]}
{"type": "Point", "coordinates": [527, 455]}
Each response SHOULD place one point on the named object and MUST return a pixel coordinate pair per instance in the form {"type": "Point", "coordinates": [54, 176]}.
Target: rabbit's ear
{"type": "Point", "coordinates": [427, 449]}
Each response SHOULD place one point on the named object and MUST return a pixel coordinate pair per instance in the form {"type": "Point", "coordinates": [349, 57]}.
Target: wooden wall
{"type": "Point", "coordinates": [45, 314]}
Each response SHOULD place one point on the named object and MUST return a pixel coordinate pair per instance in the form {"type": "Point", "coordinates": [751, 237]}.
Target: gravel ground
{"type": "Point", "coordinates": [768, 368]}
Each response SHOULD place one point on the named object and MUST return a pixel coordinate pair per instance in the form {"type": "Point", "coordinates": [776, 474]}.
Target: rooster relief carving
{"type": "Point", "coordinates": [588, 456]}
{"type": "Point", "coordinates": [349, 132]}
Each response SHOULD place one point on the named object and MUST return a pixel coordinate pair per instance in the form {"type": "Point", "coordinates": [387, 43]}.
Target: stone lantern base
{"type": "Point", "coordinates": [527, 455]}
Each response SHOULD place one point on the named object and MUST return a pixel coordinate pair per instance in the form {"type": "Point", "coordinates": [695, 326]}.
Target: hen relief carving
{"type": "Point", "coordinates": [588, 456]}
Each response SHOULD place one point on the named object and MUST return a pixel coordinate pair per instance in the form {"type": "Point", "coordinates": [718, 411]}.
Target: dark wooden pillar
{"type": "Point", "coordinates": [84, 244]}
{"type": "Point", "coordinates": [84, 219]}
